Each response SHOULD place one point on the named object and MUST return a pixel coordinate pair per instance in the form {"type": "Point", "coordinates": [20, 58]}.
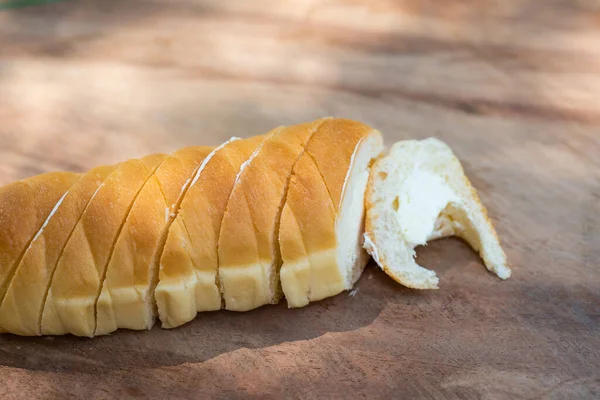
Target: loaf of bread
{"type": "Point", "coordinates": [235, 227]}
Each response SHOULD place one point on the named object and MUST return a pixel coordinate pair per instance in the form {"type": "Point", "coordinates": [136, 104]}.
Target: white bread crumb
{"type": "Point", "coordinates": [417, 193]}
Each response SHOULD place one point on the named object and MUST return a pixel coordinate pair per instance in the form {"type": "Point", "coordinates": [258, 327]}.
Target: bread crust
{"type": "Point", "coordinates": [249, 257]}
{"type": "Point", "coordinates": [188, 277]}
{"type": "Point", "coordinates": [312, 226]}
{"type": "Point", "coordinates": [230, 227]}
{"type": "Point", "coordinates": [127, 296]}
{"type": "Point", "coordinates": [25, 207]}
{"type": "Point", "coordinates": [70, 304]}
{"type": "Point", "coordinates": [333, 149]}
{"type": "Point", "coordinates": [20, 312]}
{"type": "Point", "coordinates": [312, 271]}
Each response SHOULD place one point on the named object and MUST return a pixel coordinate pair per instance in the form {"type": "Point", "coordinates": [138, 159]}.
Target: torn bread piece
{"type": "Point", "coordinates": [323, 217]}
{"type": "Point", "coordinates": [419, 192]}
{"type": "Point", "coordinates": [21, 310]}
{"type": "Point", "coordinates": [71, 300]}
{"type": "Point", "coordinates": [188, 276]}
{"type": "Point", "coordinates": [127, 296]}
{"type": "Point", "coordinates": [249, 257]}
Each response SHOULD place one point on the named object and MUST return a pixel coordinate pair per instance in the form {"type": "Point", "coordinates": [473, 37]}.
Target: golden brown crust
{"type": "Point", "coordinates": [189, 264]}
{"type": "Point", "coordinates": [126, 300]}
{"type": "Point", "coordinates": [319, 176]}
{"type": "Point", "coordinates": [484, 213]}
{"type": "Point", "coordinates": [323, 170]}
{"type": "Point", "coordinates": [306, 223]}
{"type": "Point", "coordinates": [332, 151]}
{"type": "Point", "coordinates": [295, 272]}
{"type": "Point", "coordinates": [255, 201]}
{"type": "Point", "coordinates": [21, 309]}
{"type": "Point", "coordinates": [76, 285]}
{"type": "Point", "coordinates": [249, 259]}
{"type": "Point", "coordinates": [240, 239]}
{"type": "Point", "coordinates": [24, 208]}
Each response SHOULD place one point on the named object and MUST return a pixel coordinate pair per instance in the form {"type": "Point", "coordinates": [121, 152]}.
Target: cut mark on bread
{"type": "Point", "coordinates": [206, 161]}
{"type": "Point", "coordinates": [218, 278]}
{"type": "Point", "coordinates": [311, 272]}
{"type": "Point", "coordinates": [15, 266]}
{"type": "Point", "coordinates": [167, 185]}
{"type": "Point", "coordinates": [194, 181]}
{"type": "Point", "coordinates": [53, 268]}
{"type": "Point", "coordinates": [45, 224]}
{"type": "Point", "coordinates": [277, 223]}
{"type": "Point", "coordinates": [322, 177]}
{"type": "Point", "coordinates": [196, 281]}
{"type": "Point", "coordinates": [116, 238]}
{"type": "Point", "coordinates": [171, 214]}
{"type": "Point", "coordinates": [348, 173]}
{"type": "Point", "coordinates": [331, 237]}
{"type": "Point", "coordinates": [306, 296]}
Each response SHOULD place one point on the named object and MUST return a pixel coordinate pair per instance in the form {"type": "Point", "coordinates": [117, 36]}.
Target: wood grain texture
{"type": "Point", "coordinates": [512, 86]}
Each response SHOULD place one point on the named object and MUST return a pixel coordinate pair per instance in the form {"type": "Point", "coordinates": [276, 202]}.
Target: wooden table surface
{"type": "Point", "coordinates": [512, 86]}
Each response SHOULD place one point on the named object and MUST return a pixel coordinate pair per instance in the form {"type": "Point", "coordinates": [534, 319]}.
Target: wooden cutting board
{"type": "Point", "coordinates": [512, 86]}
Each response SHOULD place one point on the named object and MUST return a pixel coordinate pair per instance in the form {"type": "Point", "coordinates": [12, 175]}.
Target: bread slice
{"type": "Point", "coordinates": [419, 192]}
{"type": "Point", "coordinates": [127, 296]}
{"type": "Point", "coordinates": [25, 208]}
{"type": "Point", "coordinates": [21, 310]}
{"type": "Point", "coordinates": [249, 256]}
{"type": "Point", "coordinates": [75, 287]}
{"type": "Point", "coordinates": [188, 280]}
{"type": "Point", "coordinates": [323, 217]}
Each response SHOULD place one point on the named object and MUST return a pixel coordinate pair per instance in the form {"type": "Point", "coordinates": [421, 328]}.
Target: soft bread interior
{"type": "Point", "coordinates": [321, 246]}
{"type": "Point", "coordinates": [417, 193]}
{"type": "Point", "coordinates": [350, 223]}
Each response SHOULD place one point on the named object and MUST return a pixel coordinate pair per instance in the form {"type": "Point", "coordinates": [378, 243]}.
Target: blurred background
{"type": "Point", "coordinates": [93, 82]}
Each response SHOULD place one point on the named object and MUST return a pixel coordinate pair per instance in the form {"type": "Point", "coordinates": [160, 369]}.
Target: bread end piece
{"type": "Point", "coordinates": [322, 224]}
{"type": "Point", "coordinates": [419, 192]}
